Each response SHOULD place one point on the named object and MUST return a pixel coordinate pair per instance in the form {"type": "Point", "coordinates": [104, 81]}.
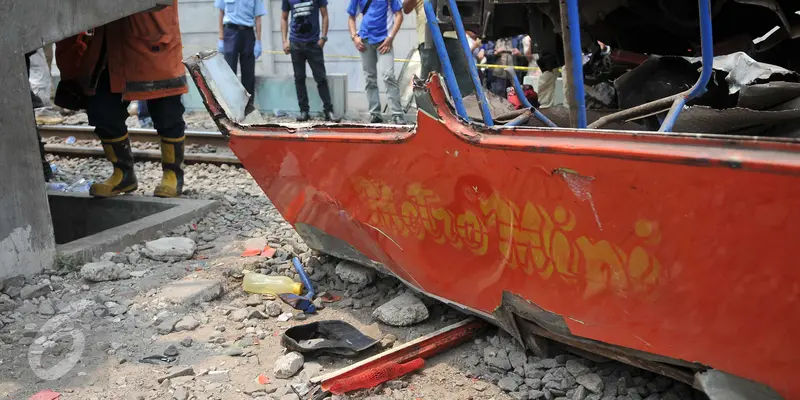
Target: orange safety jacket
{"type": "Point", "coordinates": [143, 54]}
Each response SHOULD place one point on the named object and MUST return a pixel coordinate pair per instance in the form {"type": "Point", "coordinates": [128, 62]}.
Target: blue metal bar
{"type": "Point", "coordinates": [298, 266]}
{"type": "Point", "coordinates": [574, 22]}
{"type": "Point", "coordinates": [523, 118]}
{"type": "Point", "coordinates": [473, 68]}
{"type": "Point", "coordinates": [699, 88]}
{"type": "Point", "coordinates": [525, 102]}
{"type": "Point", "coordinates": [447, 68]}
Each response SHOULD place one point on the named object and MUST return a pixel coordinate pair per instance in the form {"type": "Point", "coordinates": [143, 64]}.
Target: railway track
{"type": "Point", "coordinates": [201, 138]}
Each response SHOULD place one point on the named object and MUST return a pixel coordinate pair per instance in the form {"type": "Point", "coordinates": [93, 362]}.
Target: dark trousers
{"type": "Point", "coordinates": [239, 44]}
{"type": "Point", "coordinates": [429, 60]}
{"type": "Point", "coordinates": [311, 52]}
{"type": "Point", "coordinates": [107, 112]}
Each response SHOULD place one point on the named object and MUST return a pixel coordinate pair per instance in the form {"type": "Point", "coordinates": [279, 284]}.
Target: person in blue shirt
{"type": "Point", "coordinates": [305, 44]}
{"type": "Point", "coordinates": [374, 41]}
{"type": "Point", "coordinates": [237, 39]}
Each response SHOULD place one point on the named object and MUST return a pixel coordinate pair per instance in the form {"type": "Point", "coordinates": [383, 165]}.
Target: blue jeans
{"type": "Point", "coordinates": [311, 52]}
{"type": "Point", "coordinates": [239, 43]}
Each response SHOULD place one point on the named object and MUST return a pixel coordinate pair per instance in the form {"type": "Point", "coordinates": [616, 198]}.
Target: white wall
{"type": "Point", "coordinates": [198, 20]}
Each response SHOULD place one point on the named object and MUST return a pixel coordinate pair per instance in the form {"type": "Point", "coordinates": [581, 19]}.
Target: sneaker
{"type": "Point", "coordinates": [375, 119]}
{"type": "Point", "coordinates": [303, 116]}
{"type": "Point", "coordinates": [398, 120]}
{"type": "Point", "coordinates": [330, 116]}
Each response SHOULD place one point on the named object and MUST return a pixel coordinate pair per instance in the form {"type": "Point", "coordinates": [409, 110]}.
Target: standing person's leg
{"type": "Point", "coordinates": [386, 66]}
{"type": "Point", "coordinates": [167, 114]}
{"type": "Point", "coordinates": [298, 54]}
{"type": "Point", "coordinates": [369, 62]}
{"type": "Point", "coordinates": [230, 38]}
{"type": "Point", "coordinates": [247, 59]}
{"type": "Point", "coordinates": [546, 89]}
{"type": "Point", "coordinates": [107, 113]}
{"type": "Point", "coordinates": [316, 59]}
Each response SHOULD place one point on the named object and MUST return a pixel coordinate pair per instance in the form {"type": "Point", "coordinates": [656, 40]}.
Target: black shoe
{"type": "Point", "coordinates": [375, 119]}
{"type": "Point", "coordinates": [330, 116]}
{"type": "Point", "coordinates": [398, 120]}
{"type": "Point", "coordinates": [303, 116]}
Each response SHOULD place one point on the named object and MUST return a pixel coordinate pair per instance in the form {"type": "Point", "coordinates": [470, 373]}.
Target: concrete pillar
{"type": "Point", "coordinates": [27, 243]}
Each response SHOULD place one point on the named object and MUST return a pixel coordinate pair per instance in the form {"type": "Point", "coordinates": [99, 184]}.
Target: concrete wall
{"type": "Point", "coordinates": [199, 27]}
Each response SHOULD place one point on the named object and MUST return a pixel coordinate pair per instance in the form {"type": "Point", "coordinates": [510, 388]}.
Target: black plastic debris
{"type": "Point", "coordinates": [335, 337]}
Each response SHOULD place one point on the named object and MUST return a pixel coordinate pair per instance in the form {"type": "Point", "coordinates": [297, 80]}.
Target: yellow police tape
{"type": "Point", "coordinates": [491, 66]}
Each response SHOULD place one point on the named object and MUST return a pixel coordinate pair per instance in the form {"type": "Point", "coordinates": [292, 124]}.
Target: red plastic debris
{"type": "Point", "coordinates": [268, 252]}
{"type": "Point", "coordinates": [263, 379]}
{"type": "Point", "coordinates": [251, 252]}
{"type": "Point", "coordinates": [374, 377]}
{"type": "Point", "coordinates": [328, 297]}
{"type": "Point", "coordinates": [46, 394]}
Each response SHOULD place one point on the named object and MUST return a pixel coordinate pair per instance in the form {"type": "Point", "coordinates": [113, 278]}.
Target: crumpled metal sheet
{"type": "Point", "coordinates": [719, 385]}
{"type": "Point", "coordinates": [743, 121]}
{"type": "Point", "coordinates": [754, 98]}
{"type": "Point", "coordinates": [743, 70]}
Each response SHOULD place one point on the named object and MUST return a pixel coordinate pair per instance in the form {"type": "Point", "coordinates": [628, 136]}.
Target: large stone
{"type": "Point", "coordinates": [580, 393]}
{"type": "Point", "coordinates": [187, 323]}
{"type": "Point", "coordinates": [273, 309]}
{"type": "Point", "coordinates": [576, 368]}
{"type": "Point", "coordinates": [354, 273]}
{"type": "Point", "coordinates": [167, 326]}
{"type": "Point", "coordinates": [403, 310]}
{"type": "Point", "coordinates": [508, 384]}
{"type": "Point", "coordinates": [517, 359]}
{"type": "Point", "coordinates": [104, 271]}
{"type": "Point", "coordinates": [6, 304]}
{"type": "Point", "coordinates": [536, 395]}
{"type": "Point", "coordinates": [591, 381]}
{"type": "Point", "coordinates": [46, 308]}
{"type": "Point", "coordinates": [288, 365]}
{"type": "Point", "coordinates": [171, 249]}
{"type": "Point", "coordinates": [192, 292]}
{"type": "Point", "coordinates": [239, 315]}
{"type": "Point", "coordinates": [33, 291]}
{"type": "Point", "coordinates": [497, 358]}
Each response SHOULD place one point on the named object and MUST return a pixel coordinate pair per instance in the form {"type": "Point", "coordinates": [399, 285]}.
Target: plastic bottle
{"type": "Point", "coordinates": [71, 140]}
{"type": "Point", "coordinates": [263, 284]}
{"type": "Point", "coordinates": [80, 186]}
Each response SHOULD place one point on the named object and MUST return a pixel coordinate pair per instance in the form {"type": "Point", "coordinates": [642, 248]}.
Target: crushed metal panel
{"type": "Point", "coordinates": [721, 386]}
{"type": "Point", "coordinates": [227, 89]}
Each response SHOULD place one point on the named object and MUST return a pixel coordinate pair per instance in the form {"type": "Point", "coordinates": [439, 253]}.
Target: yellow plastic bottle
{"type": "Point", "coordinates": [264, 284]}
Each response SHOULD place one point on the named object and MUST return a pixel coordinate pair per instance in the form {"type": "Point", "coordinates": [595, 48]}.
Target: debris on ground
{"type": "Point", "coordinates": [103, 271]}
{"type": "Point", "coordinates": [288, 365]}
{"type": "Point", "coordinates": [171, 249]}
{"type": "Point", "coordinates": [403, 310]}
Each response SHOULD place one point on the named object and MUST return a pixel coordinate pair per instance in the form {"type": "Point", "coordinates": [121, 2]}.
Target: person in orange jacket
{"type": "Point", "coordinates": [138, 57]}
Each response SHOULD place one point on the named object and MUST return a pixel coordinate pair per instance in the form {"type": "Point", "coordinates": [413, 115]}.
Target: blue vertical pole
{"type": "Point", "coordinates": [447, 68]}
{"type": "Point", "coordinates": [473, 68]}
{"type": "Point", "coordinates": [699, 88]}
{"type": "Point", "coordinates": [576, 55]}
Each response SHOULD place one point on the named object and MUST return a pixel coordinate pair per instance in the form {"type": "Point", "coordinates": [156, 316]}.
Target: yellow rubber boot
{"type": "Point", "coordinates": [171, 164]}
{"type": "Point", "coordinates": [123, 179]}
